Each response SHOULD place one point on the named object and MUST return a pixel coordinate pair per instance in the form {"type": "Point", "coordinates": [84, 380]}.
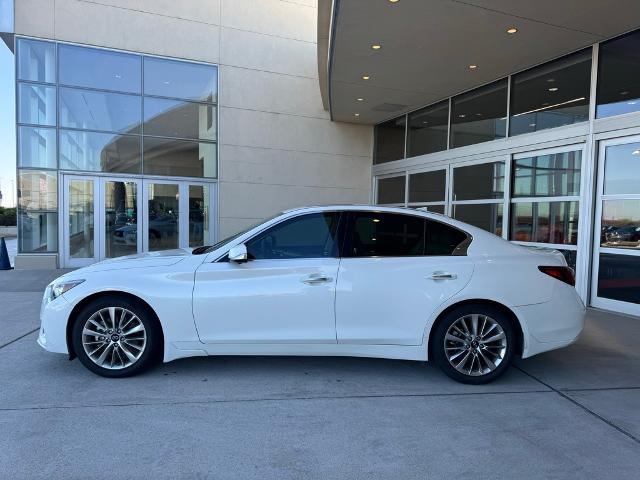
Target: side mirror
{"type": "Point", "coordinates": [238, 254]}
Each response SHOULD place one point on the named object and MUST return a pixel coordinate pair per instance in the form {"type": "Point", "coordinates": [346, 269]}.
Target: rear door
{"type": "Point", "coordinates": [395, 271]}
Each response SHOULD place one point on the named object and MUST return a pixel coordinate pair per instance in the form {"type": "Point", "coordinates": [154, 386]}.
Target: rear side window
{"type": "Point", "coordinates": [306, 236]}
{"type": "Point", "coordinates": [394, 235]}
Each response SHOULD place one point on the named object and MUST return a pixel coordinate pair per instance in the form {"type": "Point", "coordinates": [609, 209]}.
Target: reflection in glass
{"type": "Point", "coordinates": [571, 257]}
{"type": "Point", "coordinates": [99, 152]}
{"type": "Point", "coordinates": [622, 169]}
{"type": "Point", "coordinates": [99, 69]}
{"type": "Point", "coordinates": [174, 118]}
{"type": "Point", "coordinates": [179, 79]}
{"type": "Point", "coordinates": [620, 227]}
{"type": "Point", "coordinates": [487, 216]}
{"type": "Point", "coordinates": [112, 112]}
{"type": "Point", "coordinates": [479, 182]}
{"type": "Point", "coordinates": [199, 209]}
{"type": "Point", "coordinates": [389, 140]}
{"type": "Point", "coordinates": [36, 104]}
{"type": "Point", "coordinates": [545, 222]}
{"type": "Point", "coordinates": [121, 218]}
{"type": "Point", "coordinates": [619, 76]}
{"type": "Point", "coordinates": [163, 216]}
{"type": "Point", "coordinates": [391, 190]}
{"type": "Point", "coordinates": [427, 186]}
{"type": "Point", "coordinates": [552, 175]}
{"type": "Point", "coordinates": [479, 115]}
{"type": "Point", "coordinates": [37, 211]}
{"type": "Point", "coordinates": [37, 147]}
{"type": "Point", "coordinates": [36, 60]}
{"type": "Point", "coordinates": [619, 277]}
{"type": "Point", "coordinates": [184, 158]}
{"type": "Point", "coordinates": [551, 95]}
{"type": "Point", "coordinates": [81, 229]}
{"type": "Point", "coordinates": [428, 130]}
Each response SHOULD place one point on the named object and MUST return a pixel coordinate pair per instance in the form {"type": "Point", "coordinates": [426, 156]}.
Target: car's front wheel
{"type": "Point", "coordinates": [473, 343]}
{"type": "Point", "coordinates": [116, 337]}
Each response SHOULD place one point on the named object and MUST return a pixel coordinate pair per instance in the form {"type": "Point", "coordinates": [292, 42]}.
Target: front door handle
{"type": "Point", "coordinates": [442, 276]}
{"type": "Point", "coordinates": [315, 279]}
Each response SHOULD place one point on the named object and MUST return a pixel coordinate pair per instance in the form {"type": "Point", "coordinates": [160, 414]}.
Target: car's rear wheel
{"type": "Point", "coordinates": [473, 343]}
{"type": "Point", "coordinates": [116, 337]}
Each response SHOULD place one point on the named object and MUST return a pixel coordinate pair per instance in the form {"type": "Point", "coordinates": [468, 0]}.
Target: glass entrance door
{"type": "Point", "coordinates": [80, 207]}
{"type": "Point", "coordinates": [616, 262]}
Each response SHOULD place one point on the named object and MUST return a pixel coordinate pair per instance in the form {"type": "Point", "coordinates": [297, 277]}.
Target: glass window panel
{"type": "Point", "coordinates": [427, 186]}
{"type": "Point", "coordinates": [570, 256]}
{"type": "Point", "coordinates": [81, 228]}
{"type": "Point", "coordinates": [620, 226]}
{"type": "Point", "coordinates": [428, 130]}
{"type": "Point", "coordinates": [391, 190]}
{"type": "Point", "coordinates": [87, 110]}
{"type": "Point", "coordinates": [435, 209]}
{"type": "Point", "coordinates": [486, 216]}
{"type": "Point", "coordinates": [442, 239]}
{"type": "Point", "coordinates": [37, 147]}
{"type": "Point", "coordinates": [479, 182]}
{"type": "Point", "coordinates": [386, 235]}
{"type": "Point", "coordinates": [199, 214]}
{"type": "Point", "coordinates": [619, 277]}
{"type": "Point", "coordinates": [619, 76]}
{"type": "Point", "coordinates": [99, 69]}
{"type": "Point", "coordinates": [121, 218]}
{"type": "Point", "coordinates": [545, 222]}
{"type": "Point", "coordinates": [479, 115]}
{"type": "Point", "coordinates": [307, 236]}
{"type": "Point", "coordinates": [174, 118]}
{"type": "Point", "coordinates": [163, 156]}
{"type": "Point", "coordinates": [389, 140]}
{"type": "Point", "coordinates": [551, 95]}
{"type": "Point", "coordinates": [178, 79]}
{"type": "Point", "coordinates": [622, 169]}
{"type": "Point", "coordinates": [37, 211]}
{"type": "Point", "coordinates": [36, 61]}
{"type": "Point", "coordinates": [36, 104]}
{"type": "Point", "coordinates": [99, 152]}
{"type": "Point", "coordinates": [553, 175]}
{"type": "Point", "coordinates": [163, 216]}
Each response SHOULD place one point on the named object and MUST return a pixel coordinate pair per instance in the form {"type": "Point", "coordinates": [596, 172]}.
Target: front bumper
{"type": "Point", "coordinates": [53, 325]}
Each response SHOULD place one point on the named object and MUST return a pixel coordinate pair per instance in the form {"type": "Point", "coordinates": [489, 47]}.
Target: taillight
{"type": "Point", "coordinates": [564, 274]}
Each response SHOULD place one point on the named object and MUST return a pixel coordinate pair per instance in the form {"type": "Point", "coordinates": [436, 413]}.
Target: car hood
{"type": "Point", "coordinates": [162, 258]}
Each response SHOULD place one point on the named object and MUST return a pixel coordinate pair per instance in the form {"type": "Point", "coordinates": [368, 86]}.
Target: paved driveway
{"type": "Point", "coordinates": [573, 413]}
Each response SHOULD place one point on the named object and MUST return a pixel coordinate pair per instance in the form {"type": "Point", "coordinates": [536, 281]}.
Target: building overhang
{"type": "Point", "coordinates": [427, 47]}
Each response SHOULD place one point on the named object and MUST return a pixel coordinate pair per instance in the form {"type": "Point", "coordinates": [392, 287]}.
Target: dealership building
{"type": "Point", "coordinates": [144, 125]}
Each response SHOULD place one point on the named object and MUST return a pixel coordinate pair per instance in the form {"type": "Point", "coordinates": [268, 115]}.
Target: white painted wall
{"type": "Point", "coordinates": [277, 147]}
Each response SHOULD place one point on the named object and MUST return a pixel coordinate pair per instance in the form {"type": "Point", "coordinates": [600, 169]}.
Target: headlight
{"type": "Point", "coordinates": [58, 289]}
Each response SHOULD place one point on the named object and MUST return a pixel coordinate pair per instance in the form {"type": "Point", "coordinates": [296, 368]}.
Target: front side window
{"type": "Point", "coordinates": [306, 236]}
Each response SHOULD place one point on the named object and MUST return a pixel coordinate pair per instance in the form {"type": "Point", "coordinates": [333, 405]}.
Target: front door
{"type": "Point", "coordinates": [285, 293]}
{"type": "Point", "coordinates": [616, 262]}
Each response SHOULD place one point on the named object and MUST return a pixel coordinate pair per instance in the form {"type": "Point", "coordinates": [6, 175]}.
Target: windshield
{"type": "Point", "coordinates": [215, 246]}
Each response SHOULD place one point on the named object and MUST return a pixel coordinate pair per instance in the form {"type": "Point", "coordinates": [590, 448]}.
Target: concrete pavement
{"type": "Point", "coordinates": [573, 413]}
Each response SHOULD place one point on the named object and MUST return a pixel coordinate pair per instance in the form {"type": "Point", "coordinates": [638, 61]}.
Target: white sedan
{"type": "Point", "coordinates": [338, 280]}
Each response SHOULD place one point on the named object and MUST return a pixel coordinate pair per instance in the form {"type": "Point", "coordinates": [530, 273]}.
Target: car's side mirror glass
{"type": "Point", "coordinates": [238, 253]}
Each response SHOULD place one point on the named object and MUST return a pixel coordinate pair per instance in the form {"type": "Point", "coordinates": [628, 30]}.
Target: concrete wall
{"type": "Point", "coordinates": [277, 147]}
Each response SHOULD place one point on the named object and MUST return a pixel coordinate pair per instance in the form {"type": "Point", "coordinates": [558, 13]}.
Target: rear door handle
{"type": "Point", "coordinates": [442, 276]}
{"type": "Point", "coordinates": [315, 279]}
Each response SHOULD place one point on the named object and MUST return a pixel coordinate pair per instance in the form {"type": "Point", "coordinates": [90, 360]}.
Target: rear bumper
{"type": "Point", "coordinates": [553, 324]}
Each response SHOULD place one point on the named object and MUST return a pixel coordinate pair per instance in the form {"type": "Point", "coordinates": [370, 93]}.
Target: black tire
{"type": "Point", "coordinates": [477, 348]}
{"type": "Point", "coordinates": [152, 348]}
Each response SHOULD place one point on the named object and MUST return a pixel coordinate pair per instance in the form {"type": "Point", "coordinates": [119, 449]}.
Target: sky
{"type": "Point", "coordinates": [7, 127]}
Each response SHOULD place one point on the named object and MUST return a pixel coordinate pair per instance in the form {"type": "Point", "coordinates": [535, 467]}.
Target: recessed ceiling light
{"type": "Point", "coordinates": [635, 152]}
{"type": "Point", "coordinates": [394, 1]}
{"type": "Point", "coordinates": [532, 124]}
{"type": "Point", "coordinates": [473, 66]}
{"type": "Point", "coordinates": [462, 115]}
{"type": "Point", "coordinates": [424, 122]}
{"type": "Point", "coordinates": [478, 114]}
{"type": "Point", "coordinates": [512, 30]}
{"type": "Point", "coordinates": [551, 80]}
{"type": "Point", "coordinates": [360, 99]}
{"type": "Point", "coordinates": [631, 103]}
{"type": "Point", "coordinates": [366, 77]}
{"type": "Point", "coordinates": [357, 114]}
{"type": "Point", "coordinates": [376, 47]}
{"type": "Point", "coordinates": [626, 92]}
{"type": "Point", "coordinates": [545, 104]}
{"type": "Point", "coordinates": [553, 89]}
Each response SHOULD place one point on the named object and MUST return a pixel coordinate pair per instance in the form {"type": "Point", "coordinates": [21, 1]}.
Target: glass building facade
{"type": "Point", "coordinates": [116, 151]}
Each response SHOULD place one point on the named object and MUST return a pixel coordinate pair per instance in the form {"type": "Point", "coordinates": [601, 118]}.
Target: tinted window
{"type": "Point", "coordinates": [552, 175]}
{"type": "Point", "coordinates": [479, 182]}
{"type": "Point", "coordinates": [428, 130]}
{"type": "Point", "coordinates": [307, 236]}
{"type": "Point", "coordinates": [479, 115]}
{"type": "Point", "coordinates": [164, 156]}
{"type": "Point", "coordinates": [391, 190]}
{"type": "Point", "coordinates": [99, 152]}
{"type": "Point", "coordinates": [427, 186]}
{"type": "Point", "coordinates": [622, 169]}
{"type": "Point", "coordinates": [36, 104]}
{"type": "Point", "coordinates": [442, 239]}
{"type": "Point", "coordinates": [554, 94]}
{"type": "Point", "coordinates": [618, 277]}
{"type": "Point", "coordinates": [545, 222]}
{"type": "Point", "coordinates": [36, 61]}
{"type": "Point", "coordinates": [487, 216]}
{"type": "Point", "coordinates": [389, 140]}
{"type": "Point", "coordinates": [172, 78]}
{"type": "Point", "coordinates": [386, 235]}
{"type": "Point", "coordinates": [175, 118]}
{"type": "Point", "coordinates": [37, 147]}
